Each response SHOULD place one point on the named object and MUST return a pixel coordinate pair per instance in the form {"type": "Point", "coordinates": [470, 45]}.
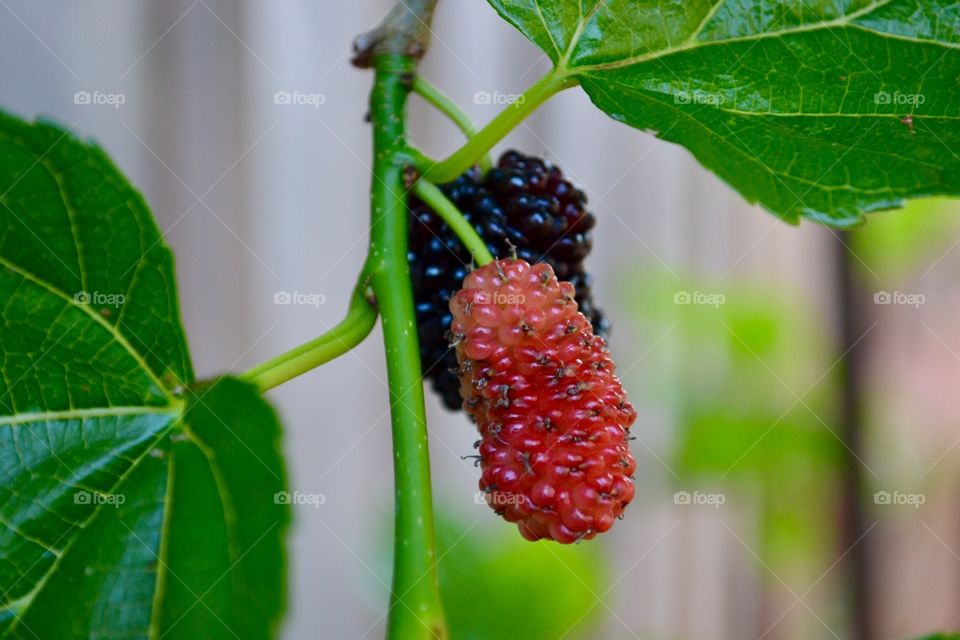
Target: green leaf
{"type": "Point", "coordinates": [230, 462]}
{"type": "Point", "coordinates": [134, 503]}
{"type": "Point", "coordinates": [824, 110]}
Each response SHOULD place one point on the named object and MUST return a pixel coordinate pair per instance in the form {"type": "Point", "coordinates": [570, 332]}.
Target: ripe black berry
{"type": "Point", "coordinates": [522, 205]}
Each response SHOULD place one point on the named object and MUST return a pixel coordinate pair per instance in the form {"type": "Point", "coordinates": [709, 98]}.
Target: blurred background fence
{"type": "Point", "coordinates": [796, 389]}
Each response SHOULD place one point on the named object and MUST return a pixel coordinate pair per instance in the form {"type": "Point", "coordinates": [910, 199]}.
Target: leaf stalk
{"type": "Point", "coordinates": [502, 124]}
{"type": "Point", "coordinates": [351, 331]}
{"type": "Point", "coordinates": [443, 103]}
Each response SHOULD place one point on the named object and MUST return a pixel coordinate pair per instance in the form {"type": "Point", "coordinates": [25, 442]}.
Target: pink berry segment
{"type": "Point", "coordinates": [541, 389]}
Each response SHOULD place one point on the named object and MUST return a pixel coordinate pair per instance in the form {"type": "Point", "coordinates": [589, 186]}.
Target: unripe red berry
{"type": "Point", "coordinates": [540, 386]}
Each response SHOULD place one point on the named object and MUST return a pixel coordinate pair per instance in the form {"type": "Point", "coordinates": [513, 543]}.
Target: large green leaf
{"type": "Point", "coordinates": [134, 503]}
{"type": "Point", "coordinates": [817, 109]}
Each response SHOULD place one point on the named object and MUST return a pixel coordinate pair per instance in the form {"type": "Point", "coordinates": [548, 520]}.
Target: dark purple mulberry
{"type": "Point", "coordinates": [522, 206]}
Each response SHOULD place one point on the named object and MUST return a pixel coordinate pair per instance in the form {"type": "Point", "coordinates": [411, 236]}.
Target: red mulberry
{"type": "Point", "coordinates": [540, 386]}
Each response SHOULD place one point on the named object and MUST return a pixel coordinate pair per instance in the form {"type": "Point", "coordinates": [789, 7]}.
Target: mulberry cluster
{"type": "Point", "coordinates": [521, 207]}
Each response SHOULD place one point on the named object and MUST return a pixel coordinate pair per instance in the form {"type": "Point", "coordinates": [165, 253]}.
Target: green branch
{"type": "Point", "coordinates": [416, 611]}
{"type": "Point", "coordinates": [431, 195]}
{"type": "Point", "coordinates": [452, 110]}
{"type": "Point", "coordinates": [504, 122]}
{"type": "Point", "coordinates": [351, 331]}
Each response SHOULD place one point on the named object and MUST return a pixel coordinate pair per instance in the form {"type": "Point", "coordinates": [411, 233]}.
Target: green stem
{"type": "Point", "coordinates": [416, 611]}
{"type": "Point", "coordinates": [452, 110]}
{"type": "Point", "coordinates": [502, 124]}
{"type": "Point", "coordinates": [361, 316]}
{"type": "Point", "coordinates": [431, 195]}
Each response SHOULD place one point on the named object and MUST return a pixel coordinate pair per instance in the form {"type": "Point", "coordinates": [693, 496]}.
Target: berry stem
{"type": "Point", "coordinates": [502, 124]}
{"type": "Point", "coordinates": [415, 607]}
{"type": "Point", "coordinates": [431, 195]}
{"type": "Point", "coordinates": [452, 110]}
{"type": "Point", "coordinates": [359, 321]}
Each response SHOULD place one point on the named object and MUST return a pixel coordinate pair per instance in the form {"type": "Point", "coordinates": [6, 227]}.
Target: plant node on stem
{"type": "Point", "coordinates": [404, 31]}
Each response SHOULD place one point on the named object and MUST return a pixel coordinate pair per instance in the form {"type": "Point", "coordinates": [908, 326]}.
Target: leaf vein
{"type": "Point", "coordinates": [114, 331]}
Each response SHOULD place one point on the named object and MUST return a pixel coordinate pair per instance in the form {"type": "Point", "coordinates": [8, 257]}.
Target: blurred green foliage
{"type": "Point", "coordinates": [902, 242]}
{"type": "Point", "coordinates": [497, 585]}
{"type": "Point", "coordinates": [749, 383]}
